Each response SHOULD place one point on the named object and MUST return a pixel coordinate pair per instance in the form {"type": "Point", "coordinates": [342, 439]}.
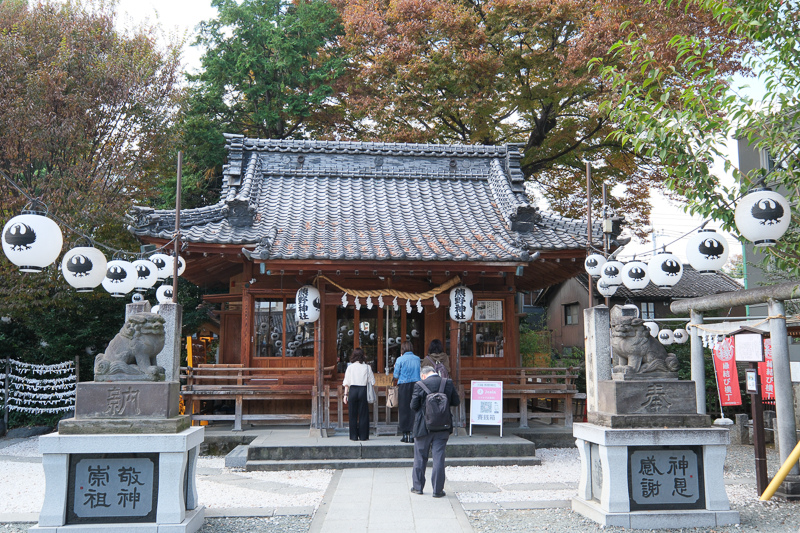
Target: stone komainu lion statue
{"type": "Point", "coordinates": [635, 351]}
{"type": "Point", "coordinates": [131, 354]}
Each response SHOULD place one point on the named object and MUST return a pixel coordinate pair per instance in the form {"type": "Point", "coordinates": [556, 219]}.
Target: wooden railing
{"type": "Point", "coordinates": [239, 383]}
{"type": "Point", "coordinates": [544, 393]}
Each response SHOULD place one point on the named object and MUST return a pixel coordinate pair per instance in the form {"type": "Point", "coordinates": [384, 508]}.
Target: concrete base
{"type": "Point", "coordinates": [193, 522]}
{"type": "Point", "coordinates": [649, 421]}
{"type": "Point", "coordinates": [174, 503]}
{"type": "Point", "coordinates": [138, 426]}
{"type": "Point", "coordinates": [607, 478]}
{"type": "Point", "coordinates": [656, 519]}
{"type": "Point", "coordinates": [790, 488]}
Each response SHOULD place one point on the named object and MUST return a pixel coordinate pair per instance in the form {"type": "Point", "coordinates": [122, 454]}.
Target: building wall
{"type": "Point", "coordinates": [567, 335]}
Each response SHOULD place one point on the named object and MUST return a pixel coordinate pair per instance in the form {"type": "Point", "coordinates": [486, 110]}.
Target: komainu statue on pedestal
{"type": "Point", "coordinates": [635, 351]}
{"type": "Point", "coordinates": [131, 355]}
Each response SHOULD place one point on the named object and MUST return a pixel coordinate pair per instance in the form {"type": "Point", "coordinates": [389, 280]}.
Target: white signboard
{"type": "Point", "coordinates": [749, 348]}
{"type": "Point", "coordinates": [795, 369]}
{"type": "Point", "coordinates": [486, 404]}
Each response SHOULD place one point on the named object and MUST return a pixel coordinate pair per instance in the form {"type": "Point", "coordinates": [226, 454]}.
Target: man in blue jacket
{"type": "Point", "coordinates": [424, 440]}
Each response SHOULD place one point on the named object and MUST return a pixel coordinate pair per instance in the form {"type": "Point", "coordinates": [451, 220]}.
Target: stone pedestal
{"type": "Point", "coordinates": [647, 404]}
{"type": "Point", "coordinates": [653, 478]}
{"type": "Point", "coordinates": [125, 463]}
{"type": "Point", "coordinates": [121, 483]}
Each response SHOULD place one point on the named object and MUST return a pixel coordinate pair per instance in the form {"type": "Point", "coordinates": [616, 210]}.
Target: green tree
{"type": "Point", "coordinates": [269, 71]}
{"type": "Point", "coordinates": [498, 71]}
{"type": "Point", "coordinates": [84, 113]}
{"type": "Point", "coordinates": [685, 115]}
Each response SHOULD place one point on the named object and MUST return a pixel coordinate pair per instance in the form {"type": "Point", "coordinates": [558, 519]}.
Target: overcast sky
{"type": "Point", "coordinates": [181, 17]}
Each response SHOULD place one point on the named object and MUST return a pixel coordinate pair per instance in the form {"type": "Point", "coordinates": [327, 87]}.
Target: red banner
{"type": "Point", "coordinates": [766, 373]}
{"type": "Point", "coordinates": [727, 376]}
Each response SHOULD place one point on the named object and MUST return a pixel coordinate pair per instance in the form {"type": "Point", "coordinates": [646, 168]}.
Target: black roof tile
{"type": "Point", "coordinates": [378, 201]}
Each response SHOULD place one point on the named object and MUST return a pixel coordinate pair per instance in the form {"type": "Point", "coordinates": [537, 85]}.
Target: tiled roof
{"type": "Point", "coordinates": [692, 285]}
{"type": "Point", "coordinates": [284, 199]}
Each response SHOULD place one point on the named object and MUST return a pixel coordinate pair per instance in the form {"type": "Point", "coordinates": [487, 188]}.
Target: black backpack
{"type": "Point", "coordinates": [437, 408]}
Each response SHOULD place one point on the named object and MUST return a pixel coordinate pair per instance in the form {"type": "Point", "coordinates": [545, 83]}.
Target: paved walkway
{"type": "Point", "coordinates": [380, 499]}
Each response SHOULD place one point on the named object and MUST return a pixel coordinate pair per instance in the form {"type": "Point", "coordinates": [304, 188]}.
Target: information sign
{"type": "Point", "coordinates": [727, 376]}
{"type": "Point", "coordinates": [767, 373]}
{"type": "Point", "coordinates": [486, 404]}
{"type": "Point", "coordinates": [112, 488]}
{"type": "Point", "coordinates": [666, 477]}
{"type": "Point", "coordinates": [748, 348]}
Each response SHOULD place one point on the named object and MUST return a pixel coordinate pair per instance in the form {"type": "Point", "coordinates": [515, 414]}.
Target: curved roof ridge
{"type": "Point", "coordinates": [239, 142]}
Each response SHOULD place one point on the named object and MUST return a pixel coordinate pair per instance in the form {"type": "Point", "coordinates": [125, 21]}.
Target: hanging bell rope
{"type": "Point", "coordinates": [397, 294]}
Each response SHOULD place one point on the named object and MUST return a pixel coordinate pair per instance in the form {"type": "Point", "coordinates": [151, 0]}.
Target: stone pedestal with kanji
{"type": "Point", "coordinates": [127, 461]}
{"type": "Point", "coordinates": [648, 459]}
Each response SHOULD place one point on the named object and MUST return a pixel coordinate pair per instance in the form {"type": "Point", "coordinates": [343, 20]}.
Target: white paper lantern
{"type": "Point", "coordinates": [307, 304]}
{"type": "Point", "coordinates": [665, 270]}
{"type": "Point", "coordinates": [653, 327]}
{"type": "Point", "coordinates": [163, 263]}
{"type": "Point", "coordinates": [605, 289]}
{"type": "Point", "coordinates": [398, 340]}
{"type": "Point", "coordinates": [763, 216]}
{"type": "Point", "coordinates": [594, 265]}
{"type": "Point", "coordinates": [155, 309]}
{"type": "Point", "coordinates": [146, 274]}
{"type": "Point", "coordinates": [707, 251]}
{"type": "Point", "coordinates": [120, 278]}
{"type": "Point", "coordinates": [164, 294]}
{"type": "Point", "coordinates": [181, 266]}
{"type": "Point", "coordinates": [665, 336]}
{"type": "Point", "coordinates": [612, 273]}
{"type": "Point", "coordinates": [680, 336]}
{"type": "Point", "coordinates": [635, 275]}
{"type": "Point", "coordinates": [460, 304]}
{"type": "Point", "coordinates": [32, 241]}
{"type": "Point", "coordinates": [84, 268]}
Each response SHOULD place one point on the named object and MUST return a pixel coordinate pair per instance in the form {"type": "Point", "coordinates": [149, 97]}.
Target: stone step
{"type": "Point", "coordinates": [237, 458]}
{"type": "Point", "coordinates": [383, 450]}
{"type": "Point", "coordinates": [312, 464]}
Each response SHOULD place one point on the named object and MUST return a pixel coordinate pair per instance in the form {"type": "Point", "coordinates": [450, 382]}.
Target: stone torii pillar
{"type": "Point", "coordinates": [773, 296]}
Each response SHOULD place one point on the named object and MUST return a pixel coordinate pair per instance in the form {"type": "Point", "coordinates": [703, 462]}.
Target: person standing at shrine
{"type": "Point", "coordinates": [406, 374]}
{"type": "Point", "coordinates": [436, 356]}
{"type": "Point", "coordinates": [431, 438]}
{"type": "Point", "coordinates": [357, 378]}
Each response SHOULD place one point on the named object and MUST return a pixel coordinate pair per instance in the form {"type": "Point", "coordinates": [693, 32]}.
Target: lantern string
{"type": "Point", "coordinates": [75, 231]}
{"type": "Point", "coordinates": [392, 292]}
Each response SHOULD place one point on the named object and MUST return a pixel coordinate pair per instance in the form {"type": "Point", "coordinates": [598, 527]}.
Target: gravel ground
{"type": "Point", "coordinates": [556, 478]}
{"type": "Point", "coordinates": [278, 524]}
{"type": "Point", "coordinates": [218, 487]}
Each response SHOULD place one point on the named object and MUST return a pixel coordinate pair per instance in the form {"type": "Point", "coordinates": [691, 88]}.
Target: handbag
{"type": "Point", "coordinates": [370, 386]}
{"type": "Point", "coordinates": [391, 397]}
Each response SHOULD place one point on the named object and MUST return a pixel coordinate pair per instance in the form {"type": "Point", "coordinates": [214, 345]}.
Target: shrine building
{"type": "Point", "coordinates": [376, 219]}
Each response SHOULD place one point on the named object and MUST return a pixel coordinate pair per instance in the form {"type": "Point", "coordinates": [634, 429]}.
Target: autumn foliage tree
{"type": "Point", "coordinates": [84, 111]}
{"type": "Point", "coordinates": [499, 71]}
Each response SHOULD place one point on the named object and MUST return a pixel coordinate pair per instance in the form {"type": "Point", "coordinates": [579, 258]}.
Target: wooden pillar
{"type": "Point", "coordinates": [381, 355]}
{"type": "Point", "coordinates": [247, 316]}
{"type": "Point", "coordinates": [319, 361]}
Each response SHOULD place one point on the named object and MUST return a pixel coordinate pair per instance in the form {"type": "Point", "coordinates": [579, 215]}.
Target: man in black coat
{"type": "Point", "coordinates": [424, 439]}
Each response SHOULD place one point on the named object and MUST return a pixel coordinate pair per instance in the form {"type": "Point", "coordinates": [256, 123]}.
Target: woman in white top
{"type": "Point", "coordinates": [356, 380]}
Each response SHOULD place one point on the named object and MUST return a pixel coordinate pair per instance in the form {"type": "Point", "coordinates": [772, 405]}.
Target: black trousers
{"type": "Point", "coordinates": [358, 409]}
{"type": "Point", "coordinates": [405, 416]}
